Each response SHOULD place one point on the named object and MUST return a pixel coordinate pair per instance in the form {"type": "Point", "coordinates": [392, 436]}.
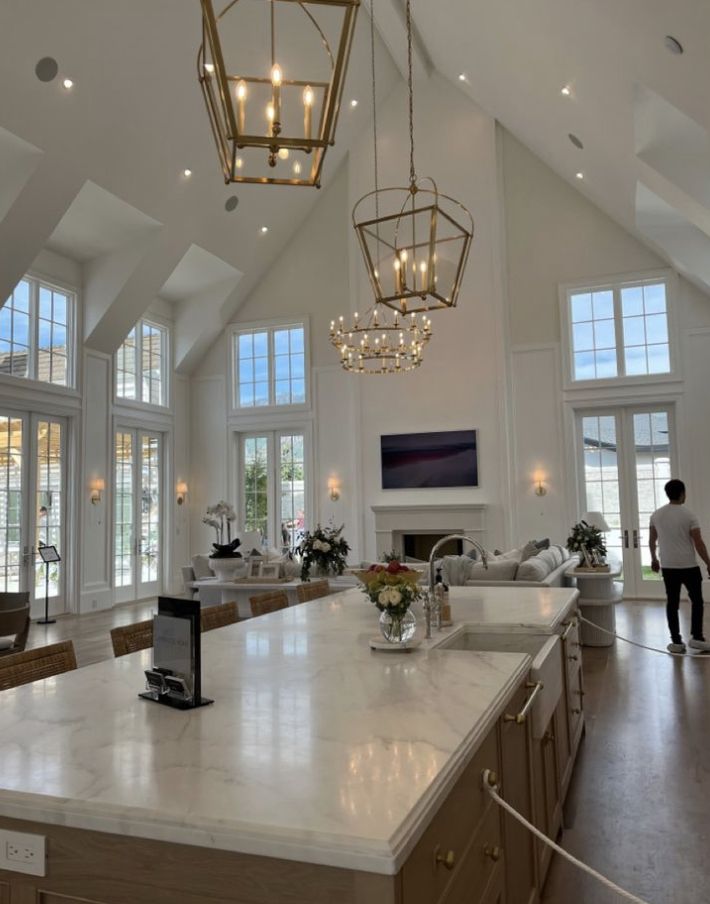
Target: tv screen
{"type": "Point", "coordinates": [415, 460]}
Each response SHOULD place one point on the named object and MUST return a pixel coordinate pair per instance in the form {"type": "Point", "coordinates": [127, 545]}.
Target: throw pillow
{"type": "Point", "coordinates": [501, 570]}
{"type": "Point", "coordinates": [455, 570]}
{"type": "Point", "coordinates": [530, 549]}
{"type": "Point", "coordinates": [533, 569]}
{"type": "Point", "coordinates": [201, 567]}
{"type": "Point", "coordinates": [542, 544]}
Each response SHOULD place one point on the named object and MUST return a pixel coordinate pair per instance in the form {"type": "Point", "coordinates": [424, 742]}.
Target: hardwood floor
{"type": "Point", "coordinates": [91, 632]}
{"type": "Point", "coordinates": [638, 809]}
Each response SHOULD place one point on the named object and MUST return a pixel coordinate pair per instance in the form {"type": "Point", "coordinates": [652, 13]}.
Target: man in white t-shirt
{"type": "Point", "coordinates": [677, 531]}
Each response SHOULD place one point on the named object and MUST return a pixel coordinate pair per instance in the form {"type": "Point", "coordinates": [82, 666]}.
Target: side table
{"type": "Point", "coordinates": [598, 595]}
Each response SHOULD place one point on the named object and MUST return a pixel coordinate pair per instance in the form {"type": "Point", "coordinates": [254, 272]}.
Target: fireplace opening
{"type": "Point", "coordinates": [419, 546]}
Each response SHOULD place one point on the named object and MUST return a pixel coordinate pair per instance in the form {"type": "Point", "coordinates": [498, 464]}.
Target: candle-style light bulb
{"type": "Point", "coordinates": [308, 98]}
{"type": "Point", "coordinates": [241, 104]}
{"type": "Point", "coordinates": [276, 78]}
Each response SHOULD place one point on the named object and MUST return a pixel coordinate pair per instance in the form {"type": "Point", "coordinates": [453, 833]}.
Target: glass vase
{"type": "Point", "coordinates": [397, 627]}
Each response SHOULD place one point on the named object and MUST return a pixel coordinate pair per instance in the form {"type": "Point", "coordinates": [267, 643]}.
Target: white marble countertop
{"type": "Point", "coordinates": [316, 748]}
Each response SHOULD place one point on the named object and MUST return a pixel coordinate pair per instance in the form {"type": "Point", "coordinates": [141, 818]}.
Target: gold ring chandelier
{"type": "Point", "coordinates": [415, 240]}
{"type": "Point", "coordinates": [382, 342]}
{"type": "Point", "coordinates": [273, 104]}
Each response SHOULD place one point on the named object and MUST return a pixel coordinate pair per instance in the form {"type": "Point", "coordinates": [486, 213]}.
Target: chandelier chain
{"type": "Point", "coordinates": [410, 85]}
{"type": "Point", "coordinates": [374, 106]}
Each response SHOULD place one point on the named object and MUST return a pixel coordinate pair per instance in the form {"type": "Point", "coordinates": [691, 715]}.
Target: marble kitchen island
{"type": "Point", "coordinates": [317, 775]}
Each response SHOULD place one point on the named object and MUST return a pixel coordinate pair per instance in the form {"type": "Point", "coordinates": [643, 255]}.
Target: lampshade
{"type": "Point", "coordinates": [596, 519]}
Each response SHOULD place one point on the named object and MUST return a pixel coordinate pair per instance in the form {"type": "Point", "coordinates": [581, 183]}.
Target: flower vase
{"type": "Point", "coordinates": [397, 627]}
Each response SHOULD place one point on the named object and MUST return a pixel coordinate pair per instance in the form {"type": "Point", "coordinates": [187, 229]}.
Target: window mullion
{"type": "Point", "coordinates": [271, 346]}
{"type": "Point", "coordinates": [32, 352]}
{"type": "Point", "coordinates": [619, 333]}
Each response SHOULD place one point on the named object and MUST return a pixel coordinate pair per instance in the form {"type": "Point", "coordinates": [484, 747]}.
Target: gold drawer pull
{"type": "Point", "coordinates": [576, 712]}
{"type": "Point", "coordinates": [448, 860]}
{"type": "Point", "coordinates": [493, 852]}
{"type": "Point", "coordinates": [573, 658]}
{"type": "Point", "coordinates": [520, 718]}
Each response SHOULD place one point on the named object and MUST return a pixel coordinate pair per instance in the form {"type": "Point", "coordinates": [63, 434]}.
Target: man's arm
{"type": "Point", "coordinates": [700, 547]}
{"type": "Point", "coordinates": [652, 543]}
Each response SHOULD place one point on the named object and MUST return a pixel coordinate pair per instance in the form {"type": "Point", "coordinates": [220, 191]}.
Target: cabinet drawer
{"type": "Point", "coordinates": [452, 828]}
{"type": "Point", "coordinates": [575, 701]}
{"type": "Point", "coordinates": [482, 858]}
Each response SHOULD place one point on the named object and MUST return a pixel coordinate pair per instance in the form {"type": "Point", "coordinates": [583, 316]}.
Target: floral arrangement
{"type": "Point", "coordinates": [392, 587]}
{"type": "Point", "coordinates": [588, 541]}
{"type": "Point", "coordinates": [326, 548]}
{"type": "Point", "coordinates": [221, 517]}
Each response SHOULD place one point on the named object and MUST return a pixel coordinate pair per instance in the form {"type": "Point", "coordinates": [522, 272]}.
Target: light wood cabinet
{"type": "Point", "coordinates": [573, 703]}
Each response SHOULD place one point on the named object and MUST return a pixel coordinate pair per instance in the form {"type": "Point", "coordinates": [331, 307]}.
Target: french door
{"type": "Point", "coordinates": [273, 485]}
{"type": "Point", "coordinates": [138, 514]}
{"type": "Point", "coordinates": [628, 455]}
{"type": "Point", "coordinates": [32, 506]}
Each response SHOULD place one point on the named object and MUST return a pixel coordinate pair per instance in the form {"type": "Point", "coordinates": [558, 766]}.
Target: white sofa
{"type": "Point", "coordinates": [544, 568]}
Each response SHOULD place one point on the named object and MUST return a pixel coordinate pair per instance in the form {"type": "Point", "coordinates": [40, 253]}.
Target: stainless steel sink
{"type": "Point", "coordinates": [546, 653]}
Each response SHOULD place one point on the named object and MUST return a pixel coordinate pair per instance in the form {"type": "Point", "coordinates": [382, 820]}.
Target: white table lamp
{"type": "Point", "coordinates": [596, 519]}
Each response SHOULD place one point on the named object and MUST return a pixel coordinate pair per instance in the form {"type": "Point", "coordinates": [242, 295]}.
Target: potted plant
{"type": "Point", "coordinates": [324, 549]}
{"type": "Point", "coordinates": [393, 588]}
{"type": "Point", "coordinates": [225, 559]}
{"type": "Point", "coordinates": [588, 542]}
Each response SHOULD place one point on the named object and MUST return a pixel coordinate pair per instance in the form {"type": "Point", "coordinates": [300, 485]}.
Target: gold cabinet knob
{"type": "Point", "coordinates": [493, 852]}
{"type": "Point", "coordinates": [576, 711]}
{"type": "Point", "coordinates": [447, 860]}
{"type": "Point", "coordinates": [573, 658]}
{"type": "Point", "coordinates": [492, 779]}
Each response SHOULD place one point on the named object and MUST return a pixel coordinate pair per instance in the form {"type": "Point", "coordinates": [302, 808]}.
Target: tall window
{"type": "Point", "coordinates": [274, 484]}
{"type": "Point", "coordinates": [141, 364]}
{"type": "Point", "coordinates": [36, 333]}
{"type": "Point", "coordinates": [619, 331]}
{"type": "Point", "coordinates": [270, 366]}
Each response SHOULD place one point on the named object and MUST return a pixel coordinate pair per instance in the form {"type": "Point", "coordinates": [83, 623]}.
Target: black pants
{"type": "Point", "coordinates": [692, 579]}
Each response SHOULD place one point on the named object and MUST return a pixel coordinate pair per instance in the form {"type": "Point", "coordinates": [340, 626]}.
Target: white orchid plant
{"type": "Point", "coordinates": [221, 516]}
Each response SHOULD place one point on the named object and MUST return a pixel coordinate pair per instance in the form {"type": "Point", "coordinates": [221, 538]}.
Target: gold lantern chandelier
{"type": "Point", "coordinates": [272, 75]}
{"type": "Point", "coordinates": [382, 342]}
{"type": "Point", "coordinates": [415, 240]}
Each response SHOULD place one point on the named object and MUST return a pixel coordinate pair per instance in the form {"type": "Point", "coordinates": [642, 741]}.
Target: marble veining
{"type": "Point", "coordinates": [316, 748]}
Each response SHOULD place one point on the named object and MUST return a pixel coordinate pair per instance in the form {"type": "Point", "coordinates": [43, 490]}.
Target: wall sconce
{"type": "Point", "coordinates": [539, 486]}
{"type": "Point", "coordinates": [181, 491]}
{"type": "Point", "coordinates": [96, 487]}
{"type": "Point", "coordinates": [334, 489]}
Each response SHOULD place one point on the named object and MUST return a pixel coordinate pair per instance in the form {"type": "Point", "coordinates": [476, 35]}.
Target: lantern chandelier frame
{"type": "Point", "coordinates": [380, 343]}
{"type": "Point", "coordinates": [306, 134]}
{"type": "Point", "coordinates": [417, 249]}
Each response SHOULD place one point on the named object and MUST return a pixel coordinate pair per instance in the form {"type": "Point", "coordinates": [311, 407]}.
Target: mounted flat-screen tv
{"type": "Point", "coordinates": [417, 460]}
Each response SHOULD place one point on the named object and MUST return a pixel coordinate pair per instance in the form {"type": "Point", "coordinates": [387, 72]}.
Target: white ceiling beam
{"type": "Point", "coordinates": [199, 322]}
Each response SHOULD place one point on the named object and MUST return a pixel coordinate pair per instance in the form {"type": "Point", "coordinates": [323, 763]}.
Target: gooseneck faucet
{"type": "Point", "coordinates": [429, 602]}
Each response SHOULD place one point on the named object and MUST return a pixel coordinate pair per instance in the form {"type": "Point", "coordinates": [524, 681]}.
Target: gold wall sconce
{"type": "Point", "coordinates": [539, 487]}
{"type": "Point", "coordinates": [181, 492]}
{"type": "Point", "coordinates": [96, 488]}
{"type": "Point", "coordinates": [333, 489]}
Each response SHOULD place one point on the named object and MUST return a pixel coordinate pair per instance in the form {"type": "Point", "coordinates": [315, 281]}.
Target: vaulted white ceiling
{"type": "Point", "coordinates": [97, 172]}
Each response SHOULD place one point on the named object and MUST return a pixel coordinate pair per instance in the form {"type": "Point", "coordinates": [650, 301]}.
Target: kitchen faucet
{"type": "Point", "coordinates": [429, 601]}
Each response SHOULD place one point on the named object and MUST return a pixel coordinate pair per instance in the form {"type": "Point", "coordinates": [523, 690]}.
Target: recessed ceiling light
{"type": "Point", "coordinates": [187, 173]}
{"type": "Point", "coordinates": [673, 44]}
{"type": "Point", "coordinates": [297, 168]}
{"type": "Point", "coordinates": [577, 142]}
{"type": "Point", "coordinates": [566, 90]}
{"type": "Point", "coordinates": [580, 175]}
{"type": "Point", "coordinates": [283, 153]}
{"type": "Point", "coordinates": [68, 84]}
{"type": "Point", "coordinates": [264, 230]}
{"type": "Point", "coordinates": [353, 102]}
{"type": "Point", "coordinates": [463, 77]}
{"type": "Point", "coordinates": [46, 69]}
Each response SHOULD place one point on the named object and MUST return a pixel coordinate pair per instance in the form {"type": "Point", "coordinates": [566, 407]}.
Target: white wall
{"type": "Point", "coordinates": [555, 236]}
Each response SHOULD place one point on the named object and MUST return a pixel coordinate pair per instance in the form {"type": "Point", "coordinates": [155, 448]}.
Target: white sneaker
{"type": "Point", "coordinates": [677, 647]}
{"type": "Point", "coordinates": [702, 646]}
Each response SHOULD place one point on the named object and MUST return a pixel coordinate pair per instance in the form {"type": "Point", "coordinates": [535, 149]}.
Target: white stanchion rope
{"type": "Point", "coordinates": [493, 792]}
{"type": "Point", "coordinates": [634, 643]}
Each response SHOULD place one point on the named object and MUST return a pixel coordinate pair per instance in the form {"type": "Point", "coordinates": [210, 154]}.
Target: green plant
{"type": "Point", "coordinates": [588, 541]}
{"type": "Point", "coordinates": [324, 547]}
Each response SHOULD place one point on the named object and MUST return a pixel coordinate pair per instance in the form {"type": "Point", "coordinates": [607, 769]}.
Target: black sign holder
{"type": "Point", "coordinates": [49, 555]}
{"type": "Point", "coordinates": [176, 677]}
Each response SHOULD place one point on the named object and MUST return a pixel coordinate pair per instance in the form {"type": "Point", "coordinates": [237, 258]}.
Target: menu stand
{"type": "Point", "coordinates": [48, 554]}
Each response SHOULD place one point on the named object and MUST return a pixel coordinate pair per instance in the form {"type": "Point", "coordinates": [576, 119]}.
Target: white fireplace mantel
{"type": "Point", "coordinates": [392, 522]}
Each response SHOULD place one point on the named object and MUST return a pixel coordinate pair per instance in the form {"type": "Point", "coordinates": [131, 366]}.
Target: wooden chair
{"type": "Point", "coordinates": [312, 590]}
{"type": "Point", "coordinates": [14, 622]}
{"type": "Point", "coordinates": [218, 616]}
{"type": "Point", "coordinates": [263, 603]}
{"type": "Point", "coordinates": [131, 638]}
{"type": "Point", "coordinates": [33, 665]}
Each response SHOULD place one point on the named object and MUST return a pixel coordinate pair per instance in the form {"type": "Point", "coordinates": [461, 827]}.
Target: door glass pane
{"type": "Point", "coordinates": [601, 477]}
{"type": "Point", "coordinates": [150, 508]}
{"type": "Point", "coordinates": [653, 469]}
{"type": "Point", "coordinates": [255, 482]}
{"type": "Point", "coordinates": [10, 503]}
{"type": "Point", "coordinates": [49, 503]}
{"type": "Point", "coordinates": [123, 511]}
{"type": "Point", "coordinates": [292, 479]}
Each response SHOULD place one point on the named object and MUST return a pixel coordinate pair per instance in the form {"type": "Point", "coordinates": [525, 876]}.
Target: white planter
{"type": "Point", "coordinates": [228, 569]}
